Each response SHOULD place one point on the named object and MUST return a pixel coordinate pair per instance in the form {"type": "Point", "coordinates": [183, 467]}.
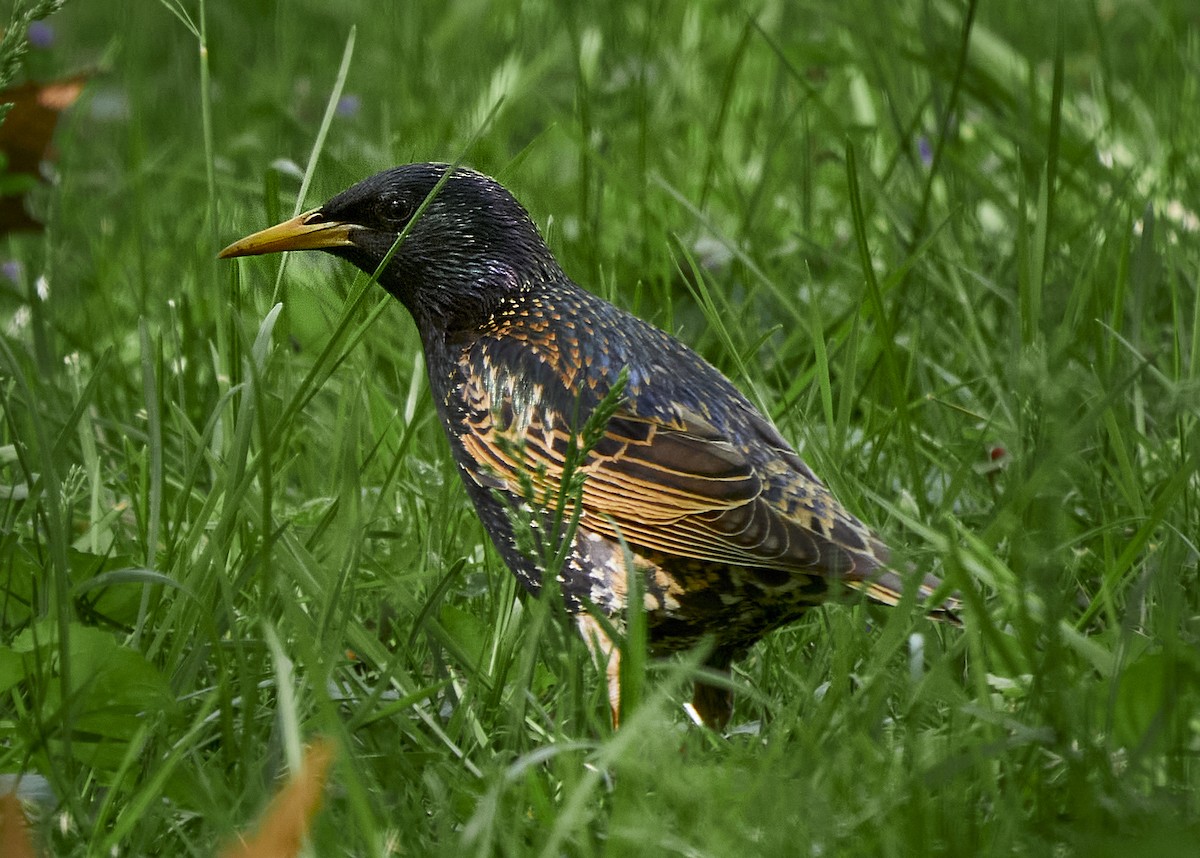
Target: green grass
{"type": "Point", "coordinates": [914, 235]}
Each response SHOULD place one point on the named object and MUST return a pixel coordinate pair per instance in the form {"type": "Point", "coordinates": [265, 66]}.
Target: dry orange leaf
{"type": "Point", "coordinates": [286, 820]}
{"type": "Point", "coordinates": [25, 137]}
{"type": "Point", "coordinates": [14, 830]}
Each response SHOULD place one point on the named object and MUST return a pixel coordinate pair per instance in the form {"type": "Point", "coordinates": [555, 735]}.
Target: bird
{"type": "Point", "coordinates": [599, 451]}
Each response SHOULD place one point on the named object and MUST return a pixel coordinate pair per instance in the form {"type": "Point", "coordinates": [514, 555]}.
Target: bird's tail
{"type": "Point", "coordinates": [874, 575]}
{"type": "Point", "coordinates": [888, 588]}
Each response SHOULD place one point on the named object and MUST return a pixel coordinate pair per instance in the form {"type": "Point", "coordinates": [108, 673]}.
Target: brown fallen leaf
{"type": "Point", "coordinates": [15, 841]}
{"type": "Point", "coordinates": [286, 820]}
{"type": "Point", "coordinates": [25, 138]}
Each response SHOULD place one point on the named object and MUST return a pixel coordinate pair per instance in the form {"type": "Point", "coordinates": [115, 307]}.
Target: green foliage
{"type": "Point", "coordinates": [952, 250]}
{"type": "Point", "coordinates": [14, 43]}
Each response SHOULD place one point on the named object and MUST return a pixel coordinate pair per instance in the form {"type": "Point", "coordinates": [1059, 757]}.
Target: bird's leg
{"type": "Point", "coordinates": [602, 646]}
{"type": "Point", "coordinates": [711, 704]}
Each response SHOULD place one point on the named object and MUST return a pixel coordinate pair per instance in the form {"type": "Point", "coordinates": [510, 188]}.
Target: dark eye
{"type": "Point", "coordinates": [394, 210]}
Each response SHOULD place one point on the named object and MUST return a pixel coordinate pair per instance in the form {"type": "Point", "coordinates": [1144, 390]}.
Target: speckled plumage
{"type": "Point", "coordinates": [731, 531]}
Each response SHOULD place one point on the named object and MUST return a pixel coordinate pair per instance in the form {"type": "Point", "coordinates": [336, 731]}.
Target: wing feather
{"type": "Point", "coordinates": [678, 486]}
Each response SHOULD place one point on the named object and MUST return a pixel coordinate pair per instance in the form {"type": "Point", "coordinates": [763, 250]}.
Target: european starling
{"type": "Point", "coordinates": [730, 532]}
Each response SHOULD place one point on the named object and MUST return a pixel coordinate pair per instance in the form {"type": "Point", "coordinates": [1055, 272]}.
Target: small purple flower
{"type": "Point", "coordinates": [349, 105]}
{"type": "Point", "coordinates": [11, 269]}
{"type": "Point", "coordinates": [41, 34]}
{"type": "Point", "coordinates": [925, 150]}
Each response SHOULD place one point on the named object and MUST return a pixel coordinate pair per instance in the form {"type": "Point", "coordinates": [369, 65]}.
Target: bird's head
{"type": "Point", "coordinates": [471, 249]}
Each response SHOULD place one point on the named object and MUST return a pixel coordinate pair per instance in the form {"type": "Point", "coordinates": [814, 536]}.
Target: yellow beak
{"type": "Point", "coordinates": [303, 232]}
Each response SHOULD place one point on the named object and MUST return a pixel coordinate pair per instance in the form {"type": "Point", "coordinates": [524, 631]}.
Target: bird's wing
{"type": "Point", "coordinates": [680, 487]}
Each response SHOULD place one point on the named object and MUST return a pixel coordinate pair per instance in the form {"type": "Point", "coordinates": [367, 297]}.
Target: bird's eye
{"type": "Point", "coordinates": [394, 210]}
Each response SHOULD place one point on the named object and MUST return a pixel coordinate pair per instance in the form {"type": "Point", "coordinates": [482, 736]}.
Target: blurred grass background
{"type": "Point", "coordinates": [951, 248]}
